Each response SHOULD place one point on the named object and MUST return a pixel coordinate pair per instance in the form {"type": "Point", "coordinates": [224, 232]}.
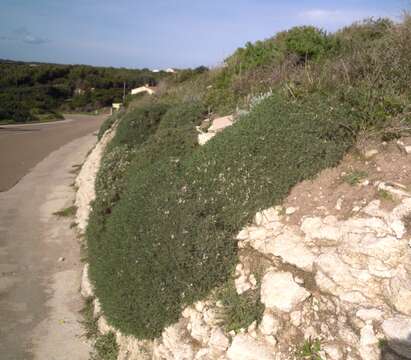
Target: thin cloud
{"type": "Point", "coordinates": [24, 35]}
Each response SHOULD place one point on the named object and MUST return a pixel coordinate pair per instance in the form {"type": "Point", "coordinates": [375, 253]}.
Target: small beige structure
{"type": "Point", "coordinates": [116, 107]}
{"type": "Point", "coordinates": [142, 89]}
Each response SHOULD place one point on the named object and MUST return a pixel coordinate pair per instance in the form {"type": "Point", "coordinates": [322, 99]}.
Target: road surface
{"type": "Point", "coordinates": [23, 146]}
{"type": "Point", "coordinates": [39, 295]}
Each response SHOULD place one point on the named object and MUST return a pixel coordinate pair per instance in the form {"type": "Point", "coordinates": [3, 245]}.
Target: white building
{"type": "Point", "coordinates": [142, 89]}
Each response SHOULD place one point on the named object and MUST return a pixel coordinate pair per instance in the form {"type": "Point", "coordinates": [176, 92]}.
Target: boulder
{"type": "Point", "coordinates": [279, 291]}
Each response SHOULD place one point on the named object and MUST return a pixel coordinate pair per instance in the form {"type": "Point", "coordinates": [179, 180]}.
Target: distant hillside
{"type": "Point", "coordinates": [34, 91]}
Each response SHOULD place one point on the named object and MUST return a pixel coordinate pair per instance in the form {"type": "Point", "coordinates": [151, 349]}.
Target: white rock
{"type": "Point", "coordinates": [257, 233]}
{"type": "Point", "coordinates": [86, 286]}
{"type": "Point", "coordinates": [103, 325]}
{"type": "Point", "coordinates": [290, 210]}
{"type": "Point", "coordinates": [367, 336]}
{"type": "Point", "coordinates": [290, 247]}
{"type": "Point", "coordinates": [370, 153]}
{"type": "Point", "coordinates": [400, 290]}
{"type": "Point", "coordinates": [280, 292]}
{"type": "Point", "coordinates": [333, 352]}
{"type": "Point", "coordinates": [61, 259]}
{"type": "Point", "coordinates": [86, 179]}
{"type": "Point", "coordinates": [242, 235]}
{"type": "Point", "coordinates": [218, 341]}
{"type": "Point", "coordinates": [198, 329]}
{"type": "Point", "coordinates": [176, 344]}
{"type": "Point", "coordinates": [325, 229]}
{"type": "Point", "coordinates": [97, 308]}
{"type": "Point", "coordinates": [205, 137]}
{"type": "Point", "coordinates": [369, 314]}
{"type": "Point", "coordinates": [338, 205]}
{"type": "Point", "coordinates": [258, 219]}
{"type": "Point", "coordinates": [269, 324]}
{"type": "Point", "coordinates": [271, 340]}
{"type": "Point", "coordinates": [369, 349]}
{"type": "Point", "coordinates": [407, 149]}
{"type": "Point", "coordinates": [295, 318]}
{"type": "Point", "coordinates": [271, 215]}
{"type": "Point", "coordinates": [398, 333]}
{"type": "Point", "coordinates": [244, 347]}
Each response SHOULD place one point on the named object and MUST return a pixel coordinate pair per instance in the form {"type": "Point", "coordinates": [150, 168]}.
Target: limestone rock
{"type": "Point", "coordinates": [398, 333]}
{"type": "Point", "coordinates": [333, 352]}
{"type": "Point", "coordinates": [244, 347]}
{"type": "Point", "coordinates": [279, 291]}
{"type": "Point", "coordinates": [400, 291]}
{"type": "Point", "coordinates": [370, 153]}
{"type": "Point", "coordinates": [269, 324]}
{"type": "Point", "coordinates": [85, 180]}
{"type": "Point", "coordinates": [86, 286]}
{"type": "Point", "coordinates": [218, 341]}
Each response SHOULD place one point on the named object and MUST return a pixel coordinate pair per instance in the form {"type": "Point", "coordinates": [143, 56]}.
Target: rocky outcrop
{"type": "Point", "coordinates": [217, 125]}
{"type": "Point", "coordinates": [339, 276]}
{"type": "Point", "coordinates": [85, 180]}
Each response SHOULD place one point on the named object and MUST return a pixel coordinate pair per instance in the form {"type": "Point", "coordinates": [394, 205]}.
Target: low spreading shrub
{"type": "Point", "coordinates": [161, 233]}
{"type": "Point", "coordinates": [170, 238]}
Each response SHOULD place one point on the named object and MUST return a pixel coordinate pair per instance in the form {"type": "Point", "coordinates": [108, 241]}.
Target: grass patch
{"type": "Point", "coordinates": [67, 212]}
{"type": "Point", "coordinates": [105, 347]}
{"type": "Point", "coordinates": [89, 321]}
{"type": "Point", "coordinates": [354, 177]}
{"type": "Point", "coordinates": [309, 350]}
{"type": "Point", "coordinates": [385, 195]}
{"type": "Point", "coordinates": [239, 311]}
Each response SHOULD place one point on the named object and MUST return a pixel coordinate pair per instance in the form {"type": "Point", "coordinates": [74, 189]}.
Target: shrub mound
{"type": "Point", "coordinates": [169, 240]}
{"type": "Point", "coordinates": [161, 234]}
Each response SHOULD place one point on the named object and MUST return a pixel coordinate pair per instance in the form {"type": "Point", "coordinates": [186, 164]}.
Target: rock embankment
{"type": "Point", "coordinates": [332, 266]}
{"type": "Point", "coordinates": [85, 180]}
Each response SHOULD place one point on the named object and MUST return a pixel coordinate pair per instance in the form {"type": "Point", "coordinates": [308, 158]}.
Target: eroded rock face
{"type": "Point", "coordinates": [280, 292]}
{"type": "Point", "coordinates": [85, 180]}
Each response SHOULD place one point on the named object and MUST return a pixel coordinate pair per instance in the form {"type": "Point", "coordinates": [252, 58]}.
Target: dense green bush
{"type": "Point", "coordinates": [169, 239]}
{"type": "Point", "coordinates": [139, 124]}
{"type": "Point", "coordinates": [307, 42]}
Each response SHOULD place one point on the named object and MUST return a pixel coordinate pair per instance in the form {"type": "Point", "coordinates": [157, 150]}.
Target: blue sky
{"type": "Point", "coordinates": [163, 33]}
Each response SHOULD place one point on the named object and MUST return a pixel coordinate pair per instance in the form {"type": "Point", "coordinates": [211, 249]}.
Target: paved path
{"type": "Point", "coordinates": [39, 296]}
{"type": "Point", "coordinates": [23, 146]}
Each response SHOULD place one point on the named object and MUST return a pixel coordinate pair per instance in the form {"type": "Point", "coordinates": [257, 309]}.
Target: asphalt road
{"type": "Point", "coordinates": [23, 146]}
{"type": "Point", "coordinates": [39, 295]}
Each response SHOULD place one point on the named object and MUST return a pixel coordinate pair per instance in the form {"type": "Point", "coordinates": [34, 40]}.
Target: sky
{"type": "Point", "coordinates": [163, 33]}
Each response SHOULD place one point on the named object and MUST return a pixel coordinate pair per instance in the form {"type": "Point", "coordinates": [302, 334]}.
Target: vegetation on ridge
{"type": "Point", "coordinates": [162, 231]}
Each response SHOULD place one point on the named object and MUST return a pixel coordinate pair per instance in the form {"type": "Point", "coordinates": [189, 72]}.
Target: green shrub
{"type": "Point", "coordinates": [260, 53]}
{"type": "Point", "coordinates": [139, 124]}
{"type": "Point", "coordinates": [170, 238]}
{"type": "Point", "coordinates": [105, 347]}
{"type": "Point", "coordinates": [307, 42]}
